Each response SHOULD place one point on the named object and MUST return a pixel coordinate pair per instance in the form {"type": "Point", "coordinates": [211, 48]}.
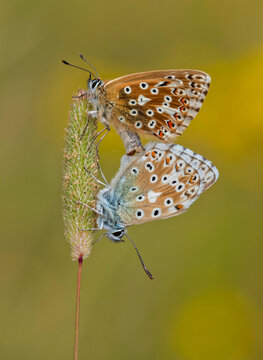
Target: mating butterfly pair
{"type": "Point", "coordinates": [162, 180]}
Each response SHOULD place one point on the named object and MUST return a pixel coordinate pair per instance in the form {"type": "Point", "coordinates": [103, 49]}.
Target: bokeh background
{"type": "Point", "coordinates": [206, 300]}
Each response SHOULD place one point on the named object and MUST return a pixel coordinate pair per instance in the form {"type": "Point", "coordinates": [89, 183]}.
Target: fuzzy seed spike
{"type": "Point", "coordinates": [78, 184]}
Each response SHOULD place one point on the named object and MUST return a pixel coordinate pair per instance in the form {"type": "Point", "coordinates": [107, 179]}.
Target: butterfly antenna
{"type": "Point", "coordinates": [82, 57]}
{"type": "Point", "coordinates": [77, 67]}
{"type": "Point", "coordinates": [141, 260]}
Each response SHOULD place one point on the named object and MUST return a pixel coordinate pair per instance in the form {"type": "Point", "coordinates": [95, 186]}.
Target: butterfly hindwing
{"type": "Point", "coordinates": [160, 103]}
{"type": "Point", "coordinates": [161, 182]}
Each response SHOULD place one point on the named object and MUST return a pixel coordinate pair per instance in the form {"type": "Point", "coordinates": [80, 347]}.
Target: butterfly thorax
{"type": "Point", "coordinates": [107, 205]}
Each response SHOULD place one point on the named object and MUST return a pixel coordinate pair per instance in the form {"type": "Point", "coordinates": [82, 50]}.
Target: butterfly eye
{"type": "Point", "coordinates": [154, 91]}
{"type": "Point", "coordinates": [139, 213]}
{"type": "Point", "coordinates": [118, 233]}
{"type": "Point", "coordinates": [144, 85]}
{"type": "Point", "coordinates": [156, 212]}
{"type": "Point", "coordinates": [93, 84]}
{"type": "Point", "coordinates": [127, 90]}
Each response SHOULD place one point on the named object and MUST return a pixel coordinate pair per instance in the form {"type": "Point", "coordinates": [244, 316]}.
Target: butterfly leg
{"type": "Point", "coordinates": [100, 182]}
{"type": "Point", "coordinates": [98, 157]}
{"type": "Point", "coordinates": [98, 239]}
{"type": "Point", "coordinates": [95, 137]}
{"type": "Point", "coordinates": [81, 95]}
{"type": "Point", "coordinates": [91, 114]}
{"type": "Point", "coordinates": [88, 206]}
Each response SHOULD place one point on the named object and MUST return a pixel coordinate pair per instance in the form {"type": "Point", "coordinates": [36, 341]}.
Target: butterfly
{"type": "Point", "coordinates": [159, 103]}
{"type": "Point", "coordinates": [161, 182]}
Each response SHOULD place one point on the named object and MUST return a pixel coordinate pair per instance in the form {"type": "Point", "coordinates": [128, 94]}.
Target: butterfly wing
{"type": "Point", "coordinates": [161, 182]}
{"type": "Point", "coordinates": [160, 103]}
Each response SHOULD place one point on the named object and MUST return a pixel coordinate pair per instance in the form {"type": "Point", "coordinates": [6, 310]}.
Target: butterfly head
{"type": "Point", "coordinates": [94, 82]}
{"type": "Point", "coordinates": [107, 206]}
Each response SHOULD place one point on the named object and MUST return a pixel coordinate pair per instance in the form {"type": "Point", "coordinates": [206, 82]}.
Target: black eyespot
{"type": "Point", "coordinates": [156, 212]}
{"type": "Point", "coordinates": [133, 189]}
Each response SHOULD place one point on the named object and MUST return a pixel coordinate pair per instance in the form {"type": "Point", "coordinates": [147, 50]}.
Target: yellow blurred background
{"type": "Point", "coordinates": [206, 300]}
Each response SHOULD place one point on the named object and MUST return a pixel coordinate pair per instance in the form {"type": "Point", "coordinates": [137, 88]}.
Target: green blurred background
{"type": "Point", "coordinates": [206, 300]}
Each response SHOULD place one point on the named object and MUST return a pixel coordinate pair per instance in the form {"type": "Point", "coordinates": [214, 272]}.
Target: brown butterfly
{"type": "Point", "coordinates": [161, 103]}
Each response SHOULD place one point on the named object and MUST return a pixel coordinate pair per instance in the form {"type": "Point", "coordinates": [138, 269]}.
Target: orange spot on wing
{"type": "Point", "coordinates": [153, 154]}
{"type": "Point", "coordinates": [179, 206]}
{"type": "Point", "coordinates": [170, 124]}
{"type": "Point", "coordinates": [168, 160]}
{"type": "Point", "coordinates": [160, 134]}
{"type": "Point", "coordinates": [192, 179]}
{"type": "Point", "coordinates": [182, 100]}
{"type": "Point", "coordinates": [178, 118]}
{"type": "Point", "coordinates": [147, 154]}
{"type": "Point", "coordinates": [182, 109]}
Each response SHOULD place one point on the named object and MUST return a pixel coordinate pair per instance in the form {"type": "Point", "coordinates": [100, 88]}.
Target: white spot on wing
{"type": "Point", "coordinates": [152, 196]}
{"type": "Point", "coordinates": [142, 100]}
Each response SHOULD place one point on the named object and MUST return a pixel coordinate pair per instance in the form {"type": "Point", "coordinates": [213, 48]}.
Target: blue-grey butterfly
{"type": "Point", "coordinates": [161, 182]}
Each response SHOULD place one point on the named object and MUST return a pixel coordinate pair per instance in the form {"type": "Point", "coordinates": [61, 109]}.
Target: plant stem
{"type": "Point", "coordinates": [76, 345]}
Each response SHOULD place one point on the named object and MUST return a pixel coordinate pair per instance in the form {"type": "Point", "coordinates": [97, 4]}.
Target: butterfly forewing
{"type": "Point", "coordinates": [162, 182]}
{"type": "Point", "coordinates": [160, 103]}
